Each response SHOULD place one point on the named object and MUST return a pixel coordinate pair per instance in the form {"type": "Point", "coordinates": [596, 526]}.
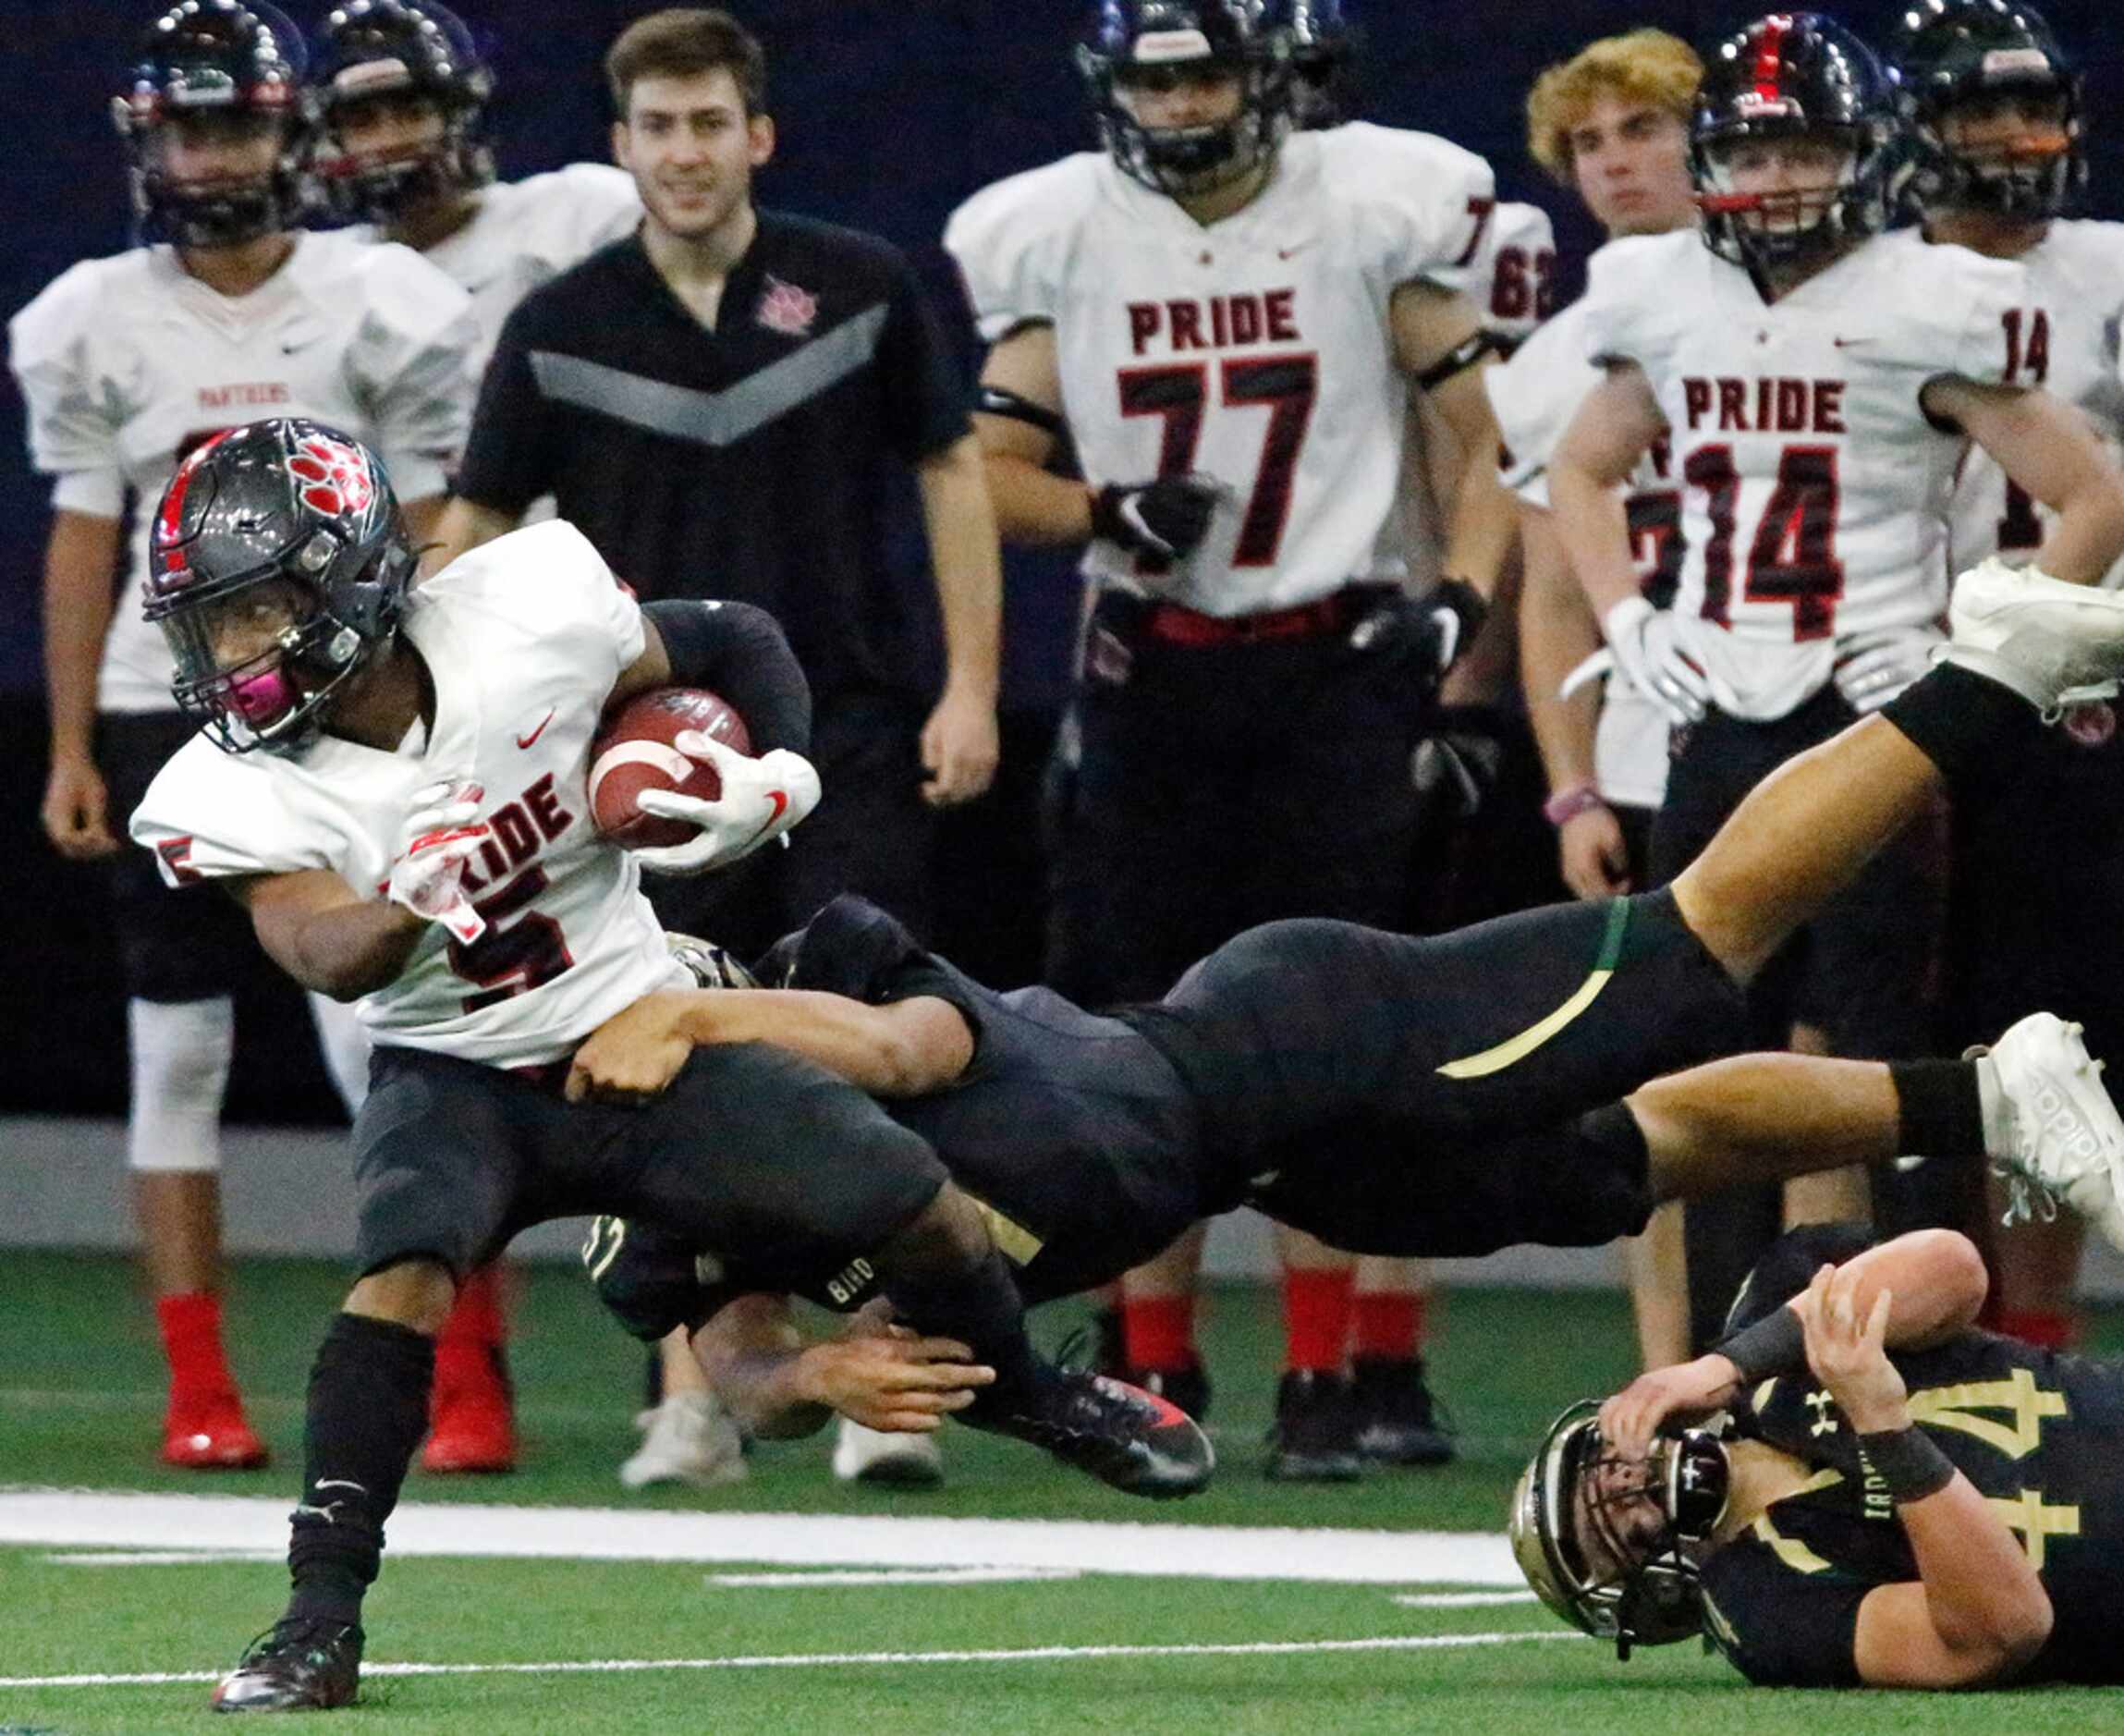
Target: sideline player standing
{"type": "Point", "coordinates": [1225, 323]}
{"type": "Point", "coordinates": [401, 92]}
{"type": "Point", "coordinates": [391, 781]}
{"type": "Point", "coordinates": [1818, 384]}
{"type": "Point", "coordinates": [1611, 123]}
{"type": "Point", "coordinates": [1994, 101]}
{"type": "Point", "coordinates": [127, 364]}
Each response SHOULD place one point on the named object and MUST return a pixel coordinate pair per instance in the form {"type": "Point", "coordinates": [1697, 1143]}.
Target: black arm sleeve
{"type": "Point", "coordinates": [511, 455]}
{"type": "Point", "coordinates": [734, 650]}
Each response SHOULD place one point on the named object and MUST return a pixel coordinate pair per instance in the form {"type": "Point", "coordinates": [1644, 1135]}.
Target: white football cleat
{"type": "Point", "coordinates": [869, 1455]}
{"type": "Point", "coordinates": [2067, 1139]}
{"type": "Point", "coordinates": [688, 1438]}
{"type": "Point", "coordinates": [2056, 645]}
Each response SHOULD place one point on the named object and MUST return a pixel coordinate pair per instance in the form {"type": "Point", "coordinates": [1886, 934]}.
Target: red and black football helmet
{"type": "Point", "coordinates": [373, 49]}
{"type": "Point", "coordinates": [287, 502]}
{"type": "Point", "coordinates": [1326, 46]}
{"type": "Point", "coordinates": [205, 59]}
{"type": "Point", "coordinates": [1134, 42]}
{"type": "Point", "coordinates": [1789, 75]}
{"type": "Point", "coordinates": [1949, 54]}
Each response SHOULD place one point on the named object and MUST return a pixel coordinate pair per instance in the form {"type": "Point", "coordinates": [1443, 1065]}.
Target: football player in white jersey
{"type": "Point", "coordinates": [1226, 321]}
{"type": "Point", "coordinates": [1817, 385]}
{"type": "Point", "coordinates": [394, 784]}
{"type": "Point", "coordinates": [1994, 101]}
{"type": "Point", "coordinates": [1611, 122]}
{"type": "Point", "coordinates": [401, 91]}
{"type": "Point", "coordinates": [126, 364]}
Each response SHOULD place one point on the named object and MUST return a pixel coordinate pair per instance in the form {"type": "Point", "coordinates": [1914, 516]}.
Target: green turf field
{"type": "Point", "coordinates": [78, 1400]}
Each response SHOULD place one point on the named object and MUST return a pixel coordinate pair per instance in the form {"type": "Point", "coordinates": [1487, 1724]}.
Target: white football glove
{"type": "Point", "coordinates": [762, 799]}
{"type": "Point", "coordinates": [1647, 651]}
{"type": "Point", "coordinates": [1872, 668]}
{"type": "Point", "coordinates": [440, 832]}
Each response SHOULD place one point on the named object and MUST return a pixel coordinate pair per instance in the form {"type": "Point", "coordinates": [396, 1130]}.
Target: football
{"type": "Point", "coordinates": [633, 752]}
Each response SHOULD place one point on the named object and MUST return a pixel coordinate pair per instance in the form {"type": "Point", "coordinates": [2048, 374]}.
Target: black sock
{"type": "Point", "coordinates": [1942, 1113]}
{"type": "Point", "coordinates": [981, 1307]}
{"type": "Point", "coordinates": [367, 1409]}
{"type": "Point", "coordinates": [1965, 725]}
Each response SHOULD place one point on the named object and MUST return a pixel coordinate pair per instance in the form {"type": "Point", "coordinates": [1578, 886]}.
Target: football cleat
{"type": "Point", "coordinates": [1187, 1386]}
{"type": "Point", "coordinates": [1313, 1438]}
{"type": "Point", "coordinates": [688, 1438]}
{"type": "Point", "coordinates": [1129, 1439]}
{"type": "Point", "coordinates": [1398, 1422]}
{"type": "Point", "coordinates": [2055, 644]}
{"type": "Point", "coordinates": [2067, 1138]}
{"type": "Point", "coordinates": [297, 1665]}
{"type": "Point", "coordinates": [895, 1461]}
{"type": "Point", "coordinates": [211, 1434]}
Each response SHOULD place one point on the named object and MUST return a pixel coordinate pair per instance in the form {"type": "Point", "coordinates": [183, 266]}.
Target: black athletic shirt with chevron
{"type": "Point", "coordinates": [2040, 1435]}
{"type": "Point", "coordinates": [766, 460]}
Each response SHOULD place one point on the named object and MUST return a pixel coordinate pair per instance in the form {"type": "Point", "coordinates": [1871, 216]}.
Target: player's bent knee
{"type": "Point", "coordinates": [416, 1293]}
{"type": "Point", "coordinates": [180, 1057]}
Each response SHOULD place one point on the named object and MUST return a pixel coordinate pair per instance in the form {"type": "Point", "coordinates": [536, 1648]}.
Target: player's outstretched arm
{"type": "Point", "coordinates": [1978, 1612]}
{"type": "Point", "coordinates": [325, 934]}
{"type": "Point", "coordinates": [881, 1375]}
{"type": "Point", "coordinates": [2053, 451]}
{"type": "Point", "coordinates": [903, 1049]}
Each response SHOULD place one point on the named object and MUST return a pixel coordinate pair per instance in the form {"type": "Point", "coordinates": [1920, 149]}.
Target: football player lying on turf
{"type": "Point", "coordinates": [393, 781]}
{"type": "Point", "coordinates": [1879, 1494]}
{"type": "Point", "coordinates": [1470, 1079]}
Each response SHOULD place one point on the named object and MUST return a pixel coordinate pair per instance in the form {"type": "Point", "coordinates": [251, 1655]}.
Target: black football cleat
{"type": "Point", "coordinates": [1187, 1388]}
{"type": "Point", "coordinates": [1313, 1438]}
{"type": "Point", "coordinates": [297, 1665]}
{"type": "Point", "coordinates": [1129, 1439]}
{"type": "Point", "coordinates": [1399, 1422]}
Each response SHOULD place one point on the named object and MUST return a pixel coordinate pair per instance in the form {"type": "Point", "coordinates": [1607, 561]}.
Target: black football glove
{"type": "Point", "coordinates": [1457, 612]}
{"type": "Point", "coordinates": [1165, 520]}
{"type": "Point", "coordinates": [1455, 768]}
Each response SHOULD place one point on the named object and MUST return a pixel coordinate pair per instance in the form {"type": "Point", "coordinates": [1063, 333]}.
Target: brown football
{"type": "Point", "coordinates": [633, 752]}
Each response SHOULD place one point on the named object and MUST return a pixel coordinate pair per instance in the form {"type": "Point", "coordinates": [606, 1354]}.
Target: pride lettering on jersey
{"type": "Point", "coordinates": [518, 830]}
{"type": "Point", "coordinates": [243, 396]}
{"type": "Point", "coordinates": [1215, 322]}
{"type": "Point", "coordinates": [1765, 405]}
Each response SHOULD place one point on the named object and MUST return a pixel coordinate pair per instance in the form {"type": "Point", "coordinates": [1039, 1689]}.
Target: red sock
{"type": "Point", "coordinates": [475, 1329]}
{"type": "Point", "coordinates": [1316, 1309]}
{"type": "Point", "coordinates": [2048, 1328]}
{"type": "Point", "coordinates": [1158, 1332]}
{"type": "Point", "coordinates": [192, 1339]}
{"type": "Point", "coordinates": [1387, 1324]}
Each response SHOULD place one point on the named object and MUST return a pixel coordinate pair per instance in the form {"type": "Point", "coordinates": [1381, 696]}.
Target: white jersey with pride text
{"type": "Point", "coordinates": [526, 233]}
{"type": "Point", "coordinates": [1534, 396]}
{"type": "Point", "coordinates": [523, 638]}
{"type": "Point", "coordinates": [2064, 339]}
{"type": "Point", "coordinates": [129, 363]}
{"type": "Point", "coordinates": [1815, 490]}
{"type": "Point", "coordinates": [1254, 351]}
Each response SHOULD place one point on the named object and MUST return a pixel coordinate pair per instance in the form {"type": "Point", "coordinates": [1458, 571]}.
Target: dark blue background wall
{"type": "Point", "coordinates": [890, 113]}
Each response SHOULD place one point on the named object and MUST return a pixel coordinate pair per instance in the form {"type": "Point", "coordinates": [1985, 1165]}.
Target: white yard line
{"type": "Point", "coordinates": [83, 1520]}
{"type": "Point", "coordinates": [1463, 1600]}
{"type": "Point", "coordinates": [891, 1576]}
{"type": "Point", "coordinates": [818, 1660]}
{"type": "Point", "coordinates": [159, 1557]}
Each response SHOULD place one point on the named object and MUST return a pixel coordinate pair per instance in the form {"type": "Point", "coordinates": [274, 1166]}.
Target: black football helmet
{"type": "Point", "coordinates": [210, 58]}
{"type": "Point", "coordinates": [288, 502]}
{"type": "Point", "coordinates": [1652, 1595]}
{"type": "Point", "coordinates": [1784, 76]}
{"type": "Point", "coordinates": [1136, 41]}
{"type": "Point", "coordinates": [1326, 46]}
{"type": "Point", "coordinates": [1951, 52]}
{"type": "Point", "coordinates": [369, 49]}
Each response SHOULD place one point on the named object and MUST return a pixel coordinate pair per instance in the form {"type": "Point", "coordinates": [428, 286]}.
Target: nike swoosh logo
{"type": "Point", "coordinates": [1288, 253]}
{"type": "Point", "coordinates": [1845, 343]}
{"type": "Point", "coordinates": [780, 798]}
{"type": "Point", "coordinates": [338, 1483]}
{"type": "Point", "coordinates": [525, 742]}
